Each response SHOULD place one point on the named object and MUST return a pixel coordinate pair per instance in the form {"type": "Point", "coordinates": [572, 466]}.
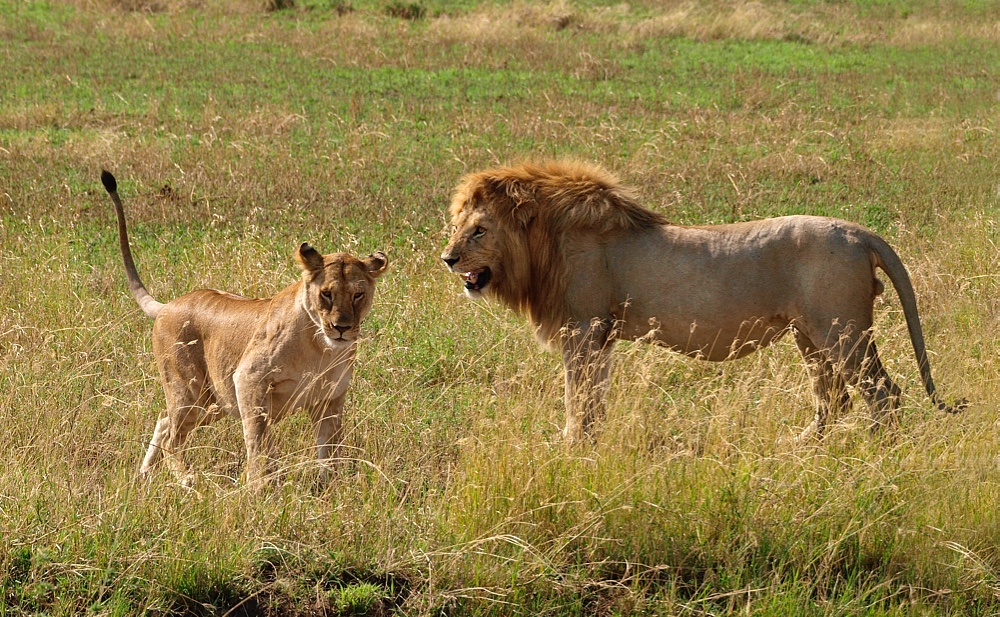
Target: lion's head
{"type": "Point", "coordinates": [339, 289]}
{"type": "Point", "coordinates": [511, 225]}
{"type": "Point", "coordinates": [478, 250]}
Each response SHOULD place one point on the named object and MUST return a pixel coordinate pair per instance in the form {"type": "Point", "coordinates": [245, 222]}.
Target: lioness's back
{"type": "Point", "coordinates": [210, 319]}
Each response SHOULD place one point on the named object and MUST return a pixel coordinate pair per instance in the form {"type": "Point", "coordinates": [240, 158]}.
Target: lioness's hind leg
{"type": "Point", "coordinates": [879, 391]}
{"type": "Point", "coordinates": [155, 450]}
{"type": "Point", "coordinates": [859, 363]}
{"type": "Point", "coordinates": [829, 387]}
{"type": "Point", "coordinates": [179, 426]}
{"type": "Point", "coordinates": [185, 411]}
{"type": "Point", "coordinates": [169, 435]}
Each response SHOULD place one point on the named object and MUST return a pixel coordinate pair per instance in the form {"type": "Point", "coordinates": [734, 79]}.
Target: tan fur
{"type": "Point", "coordinates": [565, 244]}
{"type": "Point", "coordinates": [258, 360]}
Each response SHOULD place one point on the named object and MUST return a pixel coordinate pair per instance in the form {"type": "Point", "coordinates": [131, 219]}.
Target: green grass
{"type": "Point", "coordinates": [237, 133]}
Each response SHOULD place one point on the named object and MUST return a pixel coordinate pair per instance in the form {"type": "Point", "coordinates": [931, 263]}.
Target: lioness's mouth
{"type": "Point", "coordinates": [477, 279]}
{"type": "Point", "coordinates": [337, 339]}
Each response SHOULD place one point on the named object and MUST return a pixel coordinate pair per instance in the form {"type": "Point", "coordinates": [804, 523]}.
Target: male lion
{"type": "Point", "coordinates": [567, 245]}
{"type": "Point", "coordinates": [256, 359]}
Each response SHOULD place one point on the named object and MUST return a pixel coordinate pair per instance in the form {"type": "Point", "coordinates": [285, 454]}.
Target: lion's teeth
{"type": "Point", "coordinates": [472, 277]}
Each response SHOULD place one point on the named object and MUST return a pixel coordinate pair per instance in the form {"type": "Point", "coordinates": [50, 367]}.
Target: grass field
{"type": "Point", "coordinates": [237, 132]}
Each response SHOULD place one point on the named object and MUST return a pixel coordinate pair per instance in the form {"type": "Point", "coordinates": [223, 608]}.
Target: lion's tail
{"type": "Point", "coordinates": [146, 302]}
{"type": "Point", "coordinates": [887, 259]}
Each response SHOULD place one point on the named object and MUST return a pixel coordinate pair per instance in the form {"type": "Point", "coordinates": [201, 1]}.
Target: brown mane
{"type": "Point", "coordinates": [567, 194]}
{"type": "Point", "coordinates": [538, 206]}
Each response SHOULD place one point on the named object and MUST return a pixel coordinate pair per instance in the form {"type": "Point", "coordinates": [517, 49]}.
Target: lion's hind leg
{"type": "Point", "coordinates": [879, 391]}
{"type": "Point", "coordinates": [172, 430]}
{"type": "Point", "coordinates": [857, 360]}
{"type": "Point", "coordinates": [829, 386]}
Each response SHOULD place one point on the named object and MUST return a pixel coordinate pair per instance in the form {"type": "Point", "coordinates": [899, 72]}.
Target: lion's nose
{"type": "Point", "coordinates": [451, 261]}
{"type": "Point", "coordinates": [341, 329]}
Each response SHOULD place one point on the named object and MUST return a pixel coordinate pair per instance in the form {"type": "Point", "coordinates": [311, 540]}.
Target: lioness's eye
{"type": "Point", "coordinates": [479, 232]}
{"type": "Point", "coordinates": [359, 295]}
{"type": "Point", "coordinates": [326, 295]}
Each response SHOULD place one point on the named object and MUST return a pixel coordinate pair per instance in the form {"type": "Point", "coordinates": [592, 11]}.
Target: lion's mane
{"type": "Point", "coordinates": [541, 208]}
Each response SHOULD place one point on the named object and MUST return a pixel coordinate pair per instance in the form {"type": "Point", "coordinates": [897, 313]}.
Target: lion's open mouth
{"type": "Point", "coordinates": [477, 279]}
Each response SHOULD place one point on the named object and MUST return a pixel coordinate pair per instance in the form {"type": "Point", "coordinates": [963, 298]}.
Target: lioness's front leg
{"type": "Point", "coordinates": [257, 436]}
{"type": "Point", "coordinates": [255, 414]}
{"type": "Point", "coordinates": [328, 428]}
{"type": "Point", "coordinates": [587, 364]}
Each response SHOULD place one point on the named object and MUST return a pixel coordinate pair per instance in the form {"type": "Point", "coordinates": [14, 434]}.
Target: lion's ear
{"type": "Point", "coordinates": [376, 264]}
{"type": "Point", "coordinates": [523, 213]}
{"type": "Point", "coordinates": [309, 258]}
{"type": "Point", "coordinates": [519, 199]}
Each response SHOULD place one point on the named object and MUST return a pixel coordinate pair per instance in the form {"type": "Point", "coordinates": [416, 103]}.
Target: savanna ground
{"type": "Point", "coordinates": [237, 132]}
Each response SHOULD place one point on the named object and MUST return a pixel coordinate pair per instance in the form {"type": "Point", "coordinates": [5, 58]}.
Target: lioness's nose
{"type": "Point", "coordinates": [451, 261]}
{"type": "Point", "coordinates": [342, 329]}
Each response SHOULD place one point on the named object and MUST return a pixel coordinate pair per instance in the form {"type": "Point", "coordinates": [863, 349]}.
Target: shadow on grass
{"type": "Point", "coordinates": [277, 584]}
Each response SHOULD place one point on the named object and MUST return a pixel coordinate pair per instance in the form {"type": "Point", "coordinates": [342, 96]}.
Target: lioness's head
{"type": "Point", "coordinates": [339, 289]}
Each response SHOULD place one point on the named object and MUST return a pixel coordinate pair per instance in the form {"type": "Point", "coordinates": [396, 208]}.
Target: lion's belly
{"type": "Point", "coordinates": [714, 318]}
{"type": "Point", "coordinates": [706, 294]}
{"type": "Point", "coordinates": [708, 338]}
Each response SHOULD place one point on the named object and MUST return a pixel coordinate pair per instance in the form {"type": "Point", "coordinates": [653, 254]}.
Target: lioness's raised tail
{"type": "Point", "coordinates": [147, 303]}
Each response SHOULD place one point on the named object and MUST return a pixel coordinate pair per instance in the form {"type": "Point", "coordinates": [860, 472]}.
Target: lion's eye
{"type": "Point", "coordinates": [359, 295]}
{"type": "Point", "coordinates": [327, 296]}
{"type": "Point", "coordinates": [479, 232]}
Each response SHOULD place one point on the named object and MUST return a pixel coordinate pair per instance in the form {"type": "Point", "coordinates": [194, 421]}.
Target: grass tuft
{"type": "Point", "coordinates": [406, 10]}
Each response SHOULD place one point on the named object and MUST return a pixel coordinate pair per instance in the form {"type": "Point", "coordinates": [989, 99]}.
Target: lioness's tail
{"type": "Point", "coordinates": [887, 259]}
{"type": "Point", "coordinates": [146, 302]}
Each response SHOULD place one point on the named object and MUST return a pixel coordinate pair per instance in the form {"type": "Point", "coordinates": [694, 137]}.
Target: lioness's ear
{"type": "Point", "coordinates": [309, 258]}
{"type": "Point", "coordinates": [376, 264]}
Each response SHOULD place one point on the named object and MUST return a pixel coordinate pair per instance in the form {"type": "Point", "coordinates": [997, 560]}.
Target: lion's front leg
{"type": "Point", "coordinates": [587, 364]}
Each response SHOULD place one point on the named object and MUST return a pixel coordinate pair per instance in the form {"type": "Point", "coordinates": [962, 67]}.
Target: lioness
{"type": "Point", "coordinates": [258, 360]}
{"type": "Point", "coordinates": [567, 245]}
